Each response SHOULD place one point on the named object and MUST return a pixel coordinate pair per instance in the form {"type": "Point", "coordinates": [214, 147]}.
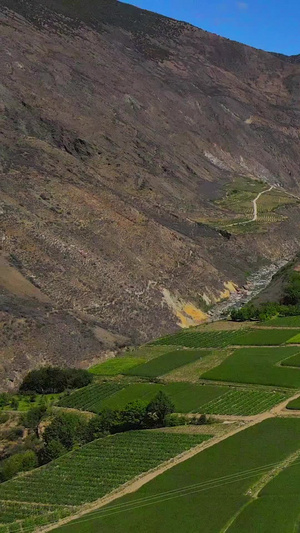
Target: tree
{"type": "Point", "coordinates": [52, 450]}
{"type": "Point", "coordinates": [33, 416]}
{"type": "Point", "coordinates": [19, 462]}
{"type": "Point", "coordinates": [159, 408]}
{"type": "Point", "coordinates": [67, 428]}
{"type": "Point", "coordinates": [133, 416]}
{"type": "Point", "coordinates": [51, 380]}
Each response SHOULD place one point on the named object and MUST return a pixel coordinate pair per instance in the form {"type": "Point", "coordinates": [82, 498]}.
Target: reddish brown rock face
{"type": "Point", "coordinates": [119, 128]}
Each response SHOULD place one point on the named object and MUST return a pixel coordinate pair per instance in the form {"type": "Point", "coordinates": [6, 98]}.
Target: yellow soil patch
{"type": "Point", "coordinates": [187, 313]}
{"type": "Point", "coordinates": [230, 287]}
{"type": "Point", "coordinates": [13, 281]}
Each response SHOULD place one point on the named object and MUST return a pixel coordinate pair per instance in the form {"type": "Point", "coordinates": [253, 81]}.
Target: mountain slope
{"type": "Point", "coordinates": [121, 134]}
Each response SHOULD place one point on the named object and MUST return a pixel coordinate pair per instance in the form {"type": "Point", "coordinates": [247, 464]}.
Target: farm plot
{"type": "Point", "coordinates": [202, 339]}
{"type": "Point", "coordinates": [258, 365]}
{"type": "Point", "coordinates": [265, 337]}
{"type": "Point", "coordinates": [21, 518]}
{"type": "Point", "coordinates": [187, 397]}
{"type": "Point", "coordinates": [90, 398]}
{"type": "Point", "coordinates": [219, 478]}
{"type": "Point", "coordinates": [95, 469]}
{"type": "Point", "coordinates": [166, 363]}
{"type": "Point", "coordinates": [283, 321]}
{"type": "Point", "coordinates": [277, 507]}
{"type": "Point", "coordinates": [295, 339]}
{"type": "Point", "coordinates": [294, 404]}
{"type": "Point", "coordinates": [292, 361]}
{"type": "Point", "coordinates": [243, 403]}
{"type": "Point", "coordinates": [115, 366]}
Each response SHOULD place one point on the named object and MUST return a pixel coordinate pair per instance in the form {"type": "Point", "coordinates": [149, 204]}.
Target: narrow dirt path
{"type": "Point", "coordinates": [137, 483]}
{"type": "Point", "coordinates": [255, 210]}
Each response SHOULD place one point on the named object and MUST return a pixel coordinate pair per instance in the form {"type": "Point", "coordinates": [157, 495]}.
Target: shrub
{"type": "Point", "coordinates": [52, 450]}
{"type": "Point", "coordinates": [32, 418]}
{"type": "Point", "coordinates": [173, 420]}
{"type": "Point", "coordinates": [4, 417]}
{"type": "Point", "coordinates": [158, 409]}
{"type": "Point", "coordinates": [49, 380]}
{"type": "Point", "coordinates": [19, 462]}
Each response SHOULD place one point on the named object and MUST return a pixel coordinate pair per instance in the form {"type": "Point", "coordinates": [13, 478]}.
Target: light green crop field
{"type": "Point", "coordinates": [87, 474]}
{"type": "Point", "coordinates": [258, 365]}
{"type": "Point", "coordinates": [90, 398]}
{"type": "Point", "coordinates": [277, 507]}
{"type": "Point", "coordinates": [166, 363]}
{"type": "Point", "coordinates": [295, 339]}
{"type": "Point", "coordinates": [199, 339]}
{"type": "Point", "coordinates": [265, 337]}
{"type": "Point", "coordinates": [283, 321]}
{"type": "Point", "coordinates": [204, 493]}
{"type": "Point", "coordinates": [115, 366]}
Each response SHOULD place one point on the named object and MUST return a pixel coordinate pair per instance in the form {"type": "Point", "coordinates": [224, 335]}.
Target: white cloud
{"type": "Point", "coordinates": [242, 6]}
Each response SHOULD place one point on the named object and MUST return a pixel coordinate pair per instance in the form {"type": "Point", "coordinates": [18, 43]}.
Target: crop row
{"type": "Point", "coordinates": [243, 403]}
{"type": "Point", "coordinates": [198, 339]}
{"type": "Point", "coordinates": [97, 468]}
{"type": "Point", "coordinates": [90, 398]}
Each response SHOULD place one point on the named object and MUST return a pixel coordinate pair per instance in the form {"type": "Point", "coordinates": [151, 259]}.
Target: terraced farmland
{"type": "Point", "coordinates": [166, 363]}
{"type": "Point", "coordinates": [90, 398]}
{"type": "Point", "coordinates": [199, 339]}
{"type": "Point", "coordinates": [115, 366]}
{"type": "Point", "coordinates": [295, 339]}
{"type": "Point", "coordinates": [292, 361]}
{"type": "Point", "coordinates": [91, 472]}
{"type": "Point", "coordinates": [243, 403]}
{"type": "Point", "coordinates": [258, 365]}
{"type": "Point", "coordinates": [219, 478]}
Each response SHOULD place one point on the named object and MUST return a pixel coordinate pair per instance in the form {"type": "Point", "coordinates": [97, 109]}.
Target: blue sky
{"type": "Point", "coordinates": [271, 25]}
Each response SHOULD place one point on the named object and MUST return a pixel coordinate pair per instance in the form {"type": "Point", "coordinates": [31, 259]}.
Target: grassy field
{"type": "Point", "coordinates": [203, 493]}
{"type": "Point", "coordinates": [295, 339]}
{"type": "Point", "coordinates": [294, 404]}
{"type": "Point", "coordinates": [89, 473]}
{"type": "Point", "coordinates": [258, 365]}
{"type": "Point", "coordinates": [90, 398]}
{"type": "Point", "coordinates": [166, 363]}
{"type": "Point", "coordinates": [115, 366]}
{"type": "Point", "coordinates": [292, 361]}
{"type": "Point", "coordinates": [187, 397]}
{"type": "Point", "coordinates": [264, 337]}
{"type": "Point", "coordinates": [199, 339]}
{"type": "Point", "coordinates": [243, 402]}
{"type": "Point", "coordinates": [283, 321]}
{"type": "Point", "coordinates": [277, 507]}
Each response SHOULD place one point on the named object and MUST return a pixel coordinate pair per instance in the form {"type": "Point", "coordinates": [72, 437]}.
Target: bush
{"type": "Point", "coordinates": [15, 433]}
{"type": "Point", "coordinates": [32, 418]}
{"type": "Point", "coordinates": [4, 417]}
{"type": "Point", "coordinates": [19, 462]}
{"type": "Point", "coordinates": [53, 380]}
{"type": "Point", "coordinates": [4, 399]}
{"type": "Point", "coordinates": [174, 420]}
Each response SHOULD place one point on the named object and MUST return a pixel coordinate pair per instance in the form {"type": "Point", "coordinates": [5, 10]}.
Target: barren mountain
{"type": "Point", "coordinates": [129, 146]}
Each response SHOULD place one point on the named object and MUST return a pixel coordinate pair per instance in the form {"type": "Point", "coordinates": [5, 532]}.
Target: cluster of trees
{"type": "Point", "coordinates": [7, 400]}
{"type": "Point", "coordinates": [288, 306]}
{"type": "Point", "coordinates": [52, 380]}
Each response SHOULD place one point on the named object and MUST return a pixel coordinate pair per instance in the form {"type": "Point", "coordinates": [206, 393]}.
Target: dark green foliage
{"type": "Point", "coordinates": [19, 462]}
{"type": "Point", "coordinates": [158, 409]}
{"type": "Point", "coordinates": [14, 404]}
{"type": "Point", "coordinates": [173, 420]}
{"type": "Point", "coordinates": [4, 418]}
{"type": "Point", "coordinates": [15, 433]}
{"type": "Point", "coordinates": [292, 291]}
{"type": "Point", "coordinates": [49, 380]}
{"type": "Point", "coordinates": [32, 418]}
{"type": "Point", "coordinates": [4, 399]}
{"type": "Point", "coordinates": [67, 428]}
{"type": "Point", "coordinates": [52, 450]}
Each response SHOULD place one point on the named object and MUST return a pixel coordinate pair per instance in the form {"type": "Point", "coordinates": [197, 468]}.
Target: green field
{"type": "Point", "coordinates": [294, 404]}
{"type": "Point", "coordinates": [292, 361]}
{"type": "Point", "coordinates": [187, 397]}
{"type": "Point", "coordinates": [203, 493]}
{"type": "Point", "coordinates": [90, 398]}
{"type": "Point", "coordinates": [89, 473]}
{"type": "Point", "coordinates": [264, 337]}
{"type": "Point", "coordinates": [166, 363]}
{"type": "Point", "coordinates": [199, 339]}
{"type": "Point", "coordinates": [277, 507]}
{"type": "Point", "coordinates": [257, 365]}
{"type": "Point", "coordinates": [115, 366]}
{"type": "Point", "coordinates": [243, 402]}
{"type": "Point", "coordinates": [295, 339]}
{"type": "Point", "coordinates": [283, 321]}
